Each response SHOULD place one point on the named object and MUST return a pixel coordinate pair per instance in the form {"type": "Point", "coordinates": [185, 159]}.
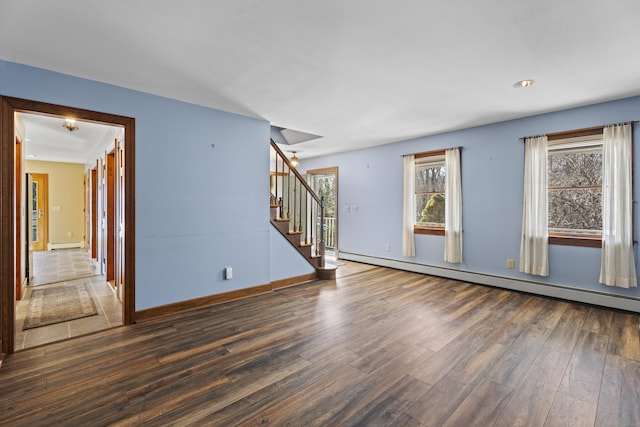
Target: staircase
{"type": "Point", "coordinates": [298, 213]}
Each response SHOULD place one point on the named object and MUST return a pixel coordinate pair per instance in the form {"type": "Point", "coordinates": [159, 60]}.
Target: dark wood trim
{"type": "Point", "coordinates": [129, 308]}
{"type": "Point", "coordinates": [432, 153]}
{"type": "Point", "coordinates": [7, 226]}
{"type": "Point", "coordinates": [589, 242]}
{"type": "Point", "coordinates": [9, 106]}
{"type": "Point", "coordinates": [94, 212]}
{"type": "Point", "coordinates": [201, 302]}
{"type": "Point", "coordinates": [292, 281]}
{"type": "Point", "coordinates": [597, 130]}
{"type": "Point", "coordinates": [428, 230]}
{"type": "Point", "coordinates": [211, 300]}
{"type": "Point", "coordinates": [18, 201]}
{"type": "Point", "coordinates": [333, 169]}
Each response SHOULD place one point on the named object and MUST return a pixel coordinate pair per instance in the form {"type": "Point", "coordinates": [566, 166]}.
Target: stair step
{"type": "Point", "coordinates": [304, 245]}
{"type": "Point", "coordinates": [326, 273]}
{"type": "Point", "coordinates": [275, 206]}
{"type": "Point", "coordinates": [282, 219]}
{"type": "Point", "coordinates": [295, 232]}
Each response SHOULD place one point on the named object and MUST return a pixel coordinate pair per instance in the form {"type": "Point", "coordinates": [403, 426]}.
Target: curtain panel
{"type": "Point", "coordinates": [618, 263]}
{"type": "Point", "coordinates": [534, 244]}
{"type": "Point", "coordinates": [453, 208]}
{"type": "Point", "coordinates": [408, 208]}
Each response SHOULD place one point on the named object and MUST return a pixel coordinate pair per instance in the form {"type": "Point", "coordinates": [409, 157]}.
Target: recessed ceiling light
{"type": "Point", "coordinates": [523, 83]}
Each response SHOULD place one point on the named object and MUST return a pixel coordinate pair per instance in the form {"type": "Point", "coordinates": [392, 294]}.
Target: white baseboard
{"type": "Point", "coordinates": [70, 245]}
{"type": "Point", "coordinates": [587, 296]}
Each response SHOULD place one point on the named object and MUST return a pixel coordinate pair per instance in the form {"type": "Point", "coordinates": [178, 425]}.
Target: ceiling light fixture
{"type": "Point", "coordinates": [523, 83]}
{"type": "Point", "coordinates": [70, 125]}
{"type": "Point", "coordinates": [295, 162]}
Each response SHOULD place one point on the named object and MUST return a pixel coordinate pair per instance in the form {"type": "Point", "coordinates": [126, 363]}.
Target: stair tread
{"type": "Point", "coordinates": [305, 245]}
{"type": "Point", "coordinates": [283, 219]}
{"type": "Point", "coordinates": [295, 232]}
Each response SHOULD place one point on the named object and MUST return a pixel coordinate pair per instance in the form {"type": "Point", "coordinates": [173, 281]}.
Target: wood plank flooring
{"type": "Point", "coordinates": [376, 346]}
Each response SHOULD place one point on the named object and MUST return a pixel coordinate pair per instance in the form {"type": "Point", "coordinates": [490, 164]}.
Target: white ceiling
{"type": "Point", "coordinates": [46, 139]}
{"type": "Point", "coordinates": [356, 72]}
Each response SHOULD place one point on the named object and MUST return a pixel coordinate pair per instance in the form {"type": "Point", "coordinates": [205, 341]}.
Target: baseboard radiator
{"type": "Point", "coordinates": [69, 245]}
{"type": "Point", "coordinates": [569, 293]}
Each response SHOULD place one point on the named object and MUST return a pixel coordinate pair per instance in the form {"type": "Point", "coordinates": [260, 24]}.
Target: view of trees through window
{"type": "Point", "coordinates": [325, 186]}
{"type": "Point", "coordinates": [575, 191]}
{"type": "Point", "coordinates": [430, 194]}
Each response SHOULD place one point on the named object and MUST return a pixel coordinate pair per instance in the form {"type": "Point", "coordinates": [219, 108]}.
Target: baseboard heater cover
{"type": "Point", "coordinates": [70, 245]}
{"type": "Point", "coordinates": [587, 296]}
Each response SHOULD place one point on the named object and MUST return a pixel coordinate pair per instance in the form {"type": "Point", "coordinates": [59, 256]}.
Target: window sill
{"type": "Point", "coordinates": [439, 231]}
{"type": "Point", "coordinates": [589, 242]}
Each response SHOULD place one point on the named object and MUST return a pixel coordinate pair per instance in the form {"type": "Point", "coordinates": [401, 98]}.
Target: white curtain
{"type": "Point", "coordinates": [618, 265]}
{"type": "Point", "coordinates": [408, 208]}
{"type": "Point", "coordinates": [534, 246]}
{"type": "Point", "coordinates": [453, 208]}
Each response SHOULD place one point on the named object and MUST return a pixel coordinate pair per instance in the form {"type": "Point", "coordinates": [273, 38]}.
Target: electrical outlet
{"type": "Point", "coordinates": [388, 248]}
{"type": "Point", "coordinates": [511, 263]}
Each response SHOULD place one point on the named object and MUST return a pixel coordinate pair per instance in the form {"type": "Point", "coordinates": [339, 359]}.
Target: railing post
{"type": "Point", "coordinates": [321, 243]}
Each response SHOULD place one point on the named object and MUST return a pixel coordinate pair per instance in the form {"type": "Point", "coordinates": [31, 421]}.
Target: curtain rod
{"type": "Point", "coordinates": [630, 122]}
{"type": "Point", "coordinates": [442, 149]}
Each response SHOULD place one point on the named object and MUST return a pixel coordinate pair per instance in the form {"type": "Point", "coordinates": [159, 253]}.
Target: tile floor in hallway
{"type": "Point", "coordinates": [66, 267]}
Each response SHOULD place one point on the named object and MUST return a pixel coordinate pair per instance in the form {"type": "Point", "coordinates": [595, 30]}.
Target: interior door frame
{"type": "Point", "coordinates": [8, 107]}
{"type": "Point", "coordinates": [334, 170]}
{"type": "Point", "coordinates": [19, 170]}
{"type": "Point", "coordinates": [43, 190]}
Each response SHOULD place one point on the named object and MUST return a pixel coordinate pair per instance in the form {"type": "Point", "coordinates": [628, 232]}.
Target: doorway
{"type": "Point", "coordinates": [39, 211]}
{"type": "Point", "coordinates": [324, 182]}
{"type": "Point", "coordinates": [12, 203]}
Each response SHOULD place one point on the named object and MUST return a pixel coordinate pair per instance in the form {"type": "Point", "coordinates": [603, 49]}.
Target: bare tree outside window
{"type": "Point", "coordinates": [430, 194]}
{"type": "Point", "coordinates": [575, 191]}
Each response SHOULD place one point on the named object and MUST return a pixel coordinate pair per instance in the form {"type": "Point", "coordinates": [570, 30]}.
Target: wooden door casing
{"type": "Point", "coordinates": [9, 106]}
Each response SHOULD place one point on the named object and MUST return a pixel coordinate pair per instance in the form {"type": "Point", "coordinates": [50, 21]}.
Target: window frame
{"type": "Point", "coordinates": [567, 239]}
{"type": "Point", "coordinates": [428, 229]}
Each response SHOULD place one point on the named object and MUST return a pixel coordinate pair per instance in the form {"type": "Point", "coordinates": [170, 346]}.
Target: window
{"type": "Point", "coordinates": [430, 177]}
{"type": "Point", "coordinates": [575, 189]}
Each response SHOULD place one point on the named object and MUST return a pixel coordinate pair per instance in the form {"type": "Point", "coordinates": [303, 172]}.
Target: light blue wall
{"type": "Point", "coordinates": [198, 208]}
{"type": "Point", "coordinates": [492, 183]}
{"type": "Point", "coordinates": [286, 262]}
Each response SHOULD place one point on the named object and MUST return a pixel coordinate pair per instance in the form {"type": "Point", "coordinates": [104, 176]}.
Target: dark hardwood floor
{"type": "Point", "coordinates": [374, 347]}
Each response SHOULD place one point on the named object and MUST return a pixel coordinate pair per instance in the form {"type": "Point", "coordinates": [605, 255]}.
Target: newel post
{"type": "Point", "coordinates": [321, 243]}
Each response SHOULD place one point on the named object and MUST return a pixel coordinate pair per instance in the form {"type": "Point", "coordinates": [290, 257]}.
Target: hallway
{"type": "Point", "coordinates": [67, 267]}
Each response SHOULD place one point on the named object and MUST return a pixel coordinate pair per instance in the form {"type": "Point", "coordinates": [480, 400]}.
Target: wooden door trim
{"type": "Point", "coordinates": [18, 210]}
{"type": "Point", "coordinates": [44, 191]}
{"type": "Point", "coordinates": [94, 213]}
{"type": "Point", "coordinates": [333, 169]}
{"type": "Point", "coordinates": [8, 107]}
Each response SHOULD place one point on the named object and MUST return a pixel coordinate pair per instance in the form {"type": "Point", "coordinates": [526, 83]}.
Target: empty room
{"type": "Point", "coordinates": [330, 213]}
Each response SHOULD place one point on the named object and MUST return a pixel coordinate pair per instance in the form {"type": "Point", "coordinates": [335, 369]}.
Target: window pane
{"type": "Point", "coordinates": [575, 169]}
{"type": "Point", "coordinates": [430, 179]}
{"type": "Point", "coordinates": [575, 210]}
{"type": "Point", "coordinates": [430, 209]}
